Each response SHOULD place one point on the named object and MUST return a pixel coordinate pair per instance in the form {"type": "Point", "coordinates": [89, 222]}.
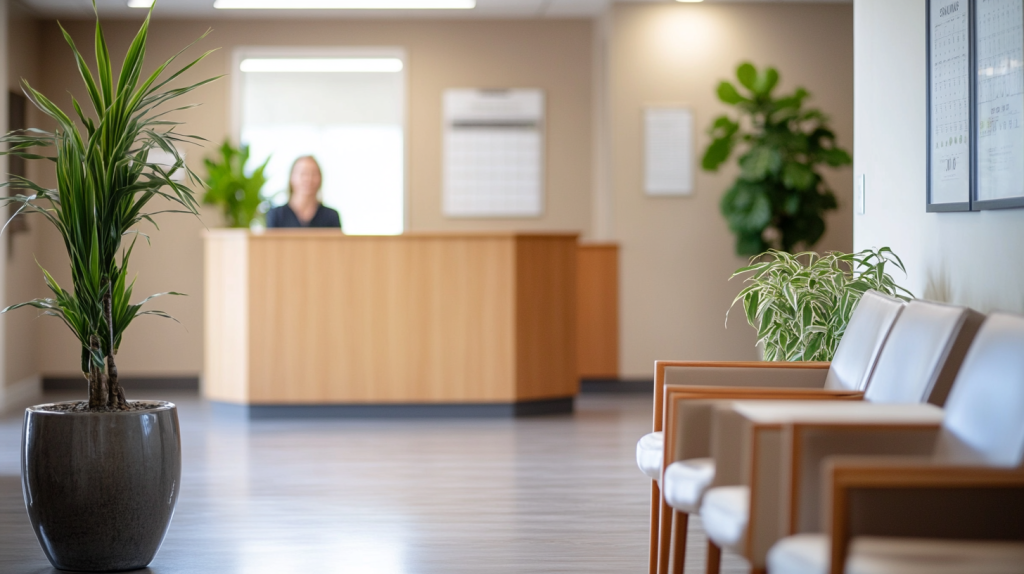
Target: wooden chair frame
{"type": "Point", "coordinates": [847, 476]}
{"type": "Point", "coordinates": [667, 400]}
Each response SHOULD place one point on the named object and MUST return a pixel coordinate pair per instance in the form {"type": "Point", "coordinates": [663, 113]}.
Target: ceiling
{"type": "Point", "coordinates": [204, 9]}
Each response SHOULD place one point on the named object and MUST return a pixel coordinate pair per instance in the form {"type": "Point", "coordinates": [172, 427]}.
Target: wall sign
{"type": "Point", "coordinates": [949, 183]}
{"type": "Point", "coordinates": [999, 104]}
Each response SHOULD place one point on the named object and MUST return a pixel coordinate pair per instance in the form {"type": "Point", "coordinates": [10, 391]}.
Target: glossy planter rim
{"type": "Point", "coordinates": [156, 406]}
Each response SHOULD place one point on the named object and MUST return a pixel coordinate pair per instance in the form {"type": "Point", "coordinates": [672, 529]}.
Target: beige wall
{"type": "Point", "coordinates": [677, 253]}
{"type": "Point", "coordinates": [554, 55]}
{"type": "Point", "coordinates": [22, 280]}
{"type": "Point", "coordinates": [4, 71]}
{"type": "Point", "coordinates": [974, 259]}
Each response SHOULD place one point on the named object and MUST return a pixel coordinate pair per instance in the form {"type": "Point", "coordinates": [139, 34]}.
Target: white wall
{"type": "Point", "coordinates": [974, 259]}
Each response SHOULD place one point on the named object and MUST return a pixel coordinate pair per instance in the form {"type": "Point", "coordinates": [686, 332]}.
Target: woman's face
{"type": "Point", "coordinates": [305, 179]}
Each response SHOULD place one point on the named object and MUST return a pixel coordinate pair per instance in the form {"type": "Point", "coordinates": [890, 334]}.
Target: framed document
{"type": "Point", "coordinates": [999, 104]}
{"type": "Point", "coordinates": [949, 179]}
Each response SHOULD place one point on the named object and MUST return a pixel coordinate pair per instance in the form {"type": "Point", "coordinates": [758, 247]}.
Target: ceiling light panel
{"type": "Point", "coordinates": [344, 4]}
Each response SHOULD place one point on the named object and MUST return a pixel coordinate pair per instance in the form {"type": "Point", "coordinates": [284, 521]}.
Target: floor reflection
{"type": "Point", "coordinates": [544, 494]}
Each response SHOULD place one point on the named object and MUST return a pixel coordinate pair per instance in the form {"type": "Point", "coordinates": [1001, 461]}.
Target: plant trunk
{"type": "Point", "coordinates": [97, 380]}
{"type": "Point", "coordinates": [115, 398]}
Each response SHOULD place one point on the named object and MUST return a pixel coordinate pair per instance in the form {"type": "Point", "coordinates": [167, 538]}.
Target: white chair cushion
{"type": "Point", "coordinates": [865, 334]}
{"type": "Point", "coordinates": [915, 354]}
{"type": "Point", "coordinates": [725, 512]}
{"type": "Point", "coordinates": [686, 481]}
{"type": "Point", "coordinates": [649, 454]}
{"type": "Point", "coordinates": [985, 410]}
{"type": "Point", "coordinates": [809, 554]}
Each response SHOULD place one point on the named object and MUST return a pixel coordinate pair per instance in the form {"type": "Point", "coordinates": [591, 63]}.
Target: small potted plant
{"type": "Point", "coordinates": [800, 304]}
{"type": "Point", "coordinates": [239, 195]}
{"type": "Point", "coordinates": [101, 477]}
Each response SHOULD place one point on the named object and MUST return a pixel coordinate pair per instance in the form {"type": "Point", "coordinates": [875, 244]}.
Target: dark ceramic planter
{"type": "Point", "coordinates": [100, 488]}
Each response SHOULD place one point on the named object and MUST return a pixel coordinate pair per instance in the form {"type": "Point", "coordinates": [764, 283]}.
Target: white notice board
{"type": "Point", "coordinates": [493, 153]}
{"type": "Point", "coordinates": [668, 151]}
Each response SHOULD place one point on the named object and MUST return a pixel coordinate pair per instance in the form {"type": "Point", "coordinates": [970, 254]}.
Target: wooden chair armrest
{"type": "Point", "coordinates": [689, 412]}
{"type": "Point", "coordinates": [999, 490]}
{"type": "Point", "coordinates": [805, 446]}
{"type": "Point", "coordinates": [711, 371]}
{"type": "Point", "coordinates": [758, 393]}
{"type": "Point", "coordinates": [917, 472]}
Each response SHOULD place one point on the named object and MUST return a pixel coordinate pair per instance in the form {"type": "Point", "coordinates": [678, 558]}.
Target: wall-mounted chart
{"type": "Point", "coordinates": [999, 104]}
{"type": "Point", "coordinates": [949, 105]}
{"type": "Point", "coordinates": [493, 153]}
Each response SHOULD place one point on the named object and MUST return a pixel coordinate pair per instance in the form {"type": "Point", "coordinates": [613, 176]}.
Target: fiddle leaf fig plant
{"type": "Point", "coordinates": [105, 185]}
{"type": "Point", "coordinates": [800, 304]}
{"type": "Point", "coordinates": [780, 198]}
{"type": "Point", "coordinates": [238, 195]}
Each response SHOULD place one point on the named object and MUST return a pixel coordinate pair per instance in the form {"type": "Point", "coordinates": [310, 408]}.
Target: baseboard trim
{"type": "Point", "coordinates": [397, 411]}
{"type": "Point", "coordinates": [191, 383]}
{"type": "Point", "coordinates": [23, 393]}
{"type": "Point", "coordinates": [129, 383]}
{"type": "Point", "coordinates": [616, 386]}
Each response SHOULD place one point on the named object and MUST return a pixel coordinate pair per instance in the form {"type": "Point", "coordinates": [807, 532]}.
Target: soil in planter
{"type": "Point", "coordinates": [83, 407]}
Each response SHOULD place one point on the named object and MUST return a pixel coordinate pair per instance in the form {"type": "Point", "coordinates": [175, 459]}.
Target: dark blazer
{"type": "Point", "coordinates": [283, 216]}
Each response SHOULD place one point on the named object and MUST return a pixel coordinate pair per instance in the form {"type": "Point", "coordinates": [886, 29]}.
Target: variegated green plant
{"type": "Point", "coordinates": [800, 304]}
{"type": "Point", "coordinates": [105, 182]}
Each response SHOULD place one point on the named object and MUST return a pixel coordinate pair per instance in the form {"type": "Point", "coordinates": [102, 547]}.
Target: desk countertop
{"type": "Point", "coordinates": [333, 233]}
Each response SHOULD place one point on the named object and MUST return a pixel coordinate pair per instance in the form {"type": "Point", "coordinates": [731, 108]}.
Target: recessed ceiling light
{"type": "Point", "coordinates": [321, 65]}
{"type": "Point", "coordinates": [344, 4]}
{"type": "Point", "coordinates": [140, 3]}
{"type": "Point", "coordinates": [689, 1]}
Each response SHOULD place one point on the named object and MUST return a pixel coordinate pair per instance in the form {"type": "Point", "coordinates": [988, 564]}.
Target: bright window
{"type": "Point", "coordinates": [348, 111]}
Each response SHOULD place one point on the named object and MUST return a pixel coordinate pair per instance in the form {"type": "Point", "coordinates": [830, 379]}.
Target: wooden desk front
{"type": "Point", "coordinates": [316, 317]}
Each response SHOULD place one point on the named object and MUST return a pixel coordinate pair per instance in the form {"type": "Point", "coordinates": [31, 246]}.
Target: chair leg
{"type": "Point", "coordinates": [655, 526]}
{"type": "Point", "coordinates": [680, 522]}
{"type": "Point", "coordinates": [714, 558]}
{"type": "Point", "coordinates": [665, 536]}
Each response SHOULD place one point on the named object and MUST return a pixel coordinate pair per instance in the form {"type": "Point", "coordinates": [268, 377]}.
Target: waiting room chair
{"type": "Point", "coordinates": [918, 364]}
{"type": "Point", "coordinates": [956, 508]}
{"type": "Point", "coordinates": [700, 384]}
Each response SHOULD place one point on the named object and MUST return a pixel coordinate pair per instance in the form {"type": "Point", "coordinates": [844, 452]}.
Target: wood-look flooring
{"type": "Point", "coordinates": [471, 496]}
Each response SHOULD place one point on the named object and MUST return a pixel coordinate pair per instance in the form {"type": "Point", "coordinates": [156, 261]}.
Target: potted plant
{"type": "Point", "coordinates": [239, 195]}
{"type": "Point", "coordinates": [800, 304]}
{"type": "Point", "coordinates": [780, 199]}
{"type": "Point", "coordinates": [101, 477]}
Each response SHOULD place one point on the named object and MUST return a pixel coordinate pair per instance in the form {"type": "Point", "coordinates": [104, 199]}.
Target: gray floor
{"type": "Point", "coordinates": [543, 494]}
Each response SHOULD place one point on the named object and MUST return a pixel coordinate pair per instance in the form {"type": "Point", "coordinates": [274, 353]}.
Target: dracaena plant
{"type": "Point", "coordinates": [800, 304]}
{"type": "Point", "coordinates": [238, 194]}
{"type": "Point", "coordinates": [780, 198]}
{"type": "Point", "coordinates": [105, 185]}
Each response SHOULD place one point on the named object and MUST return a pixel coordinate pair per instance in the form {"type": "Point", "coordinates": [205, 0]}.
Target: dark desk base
{"type": "Point", "coordinates": [449, 410]}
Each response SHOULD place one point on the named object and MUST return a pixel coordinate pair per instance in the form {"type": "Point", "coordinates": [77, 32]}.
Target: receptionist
{"type": "Point", "coordinates": [304, 208]}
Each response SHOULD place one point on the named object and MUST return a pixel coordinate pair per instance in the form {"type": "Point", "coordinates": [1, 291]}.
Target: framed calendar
{"type": "Point", "coordinates": [950, 178]}
{"type": "Point", "coordinates": [998, 104]}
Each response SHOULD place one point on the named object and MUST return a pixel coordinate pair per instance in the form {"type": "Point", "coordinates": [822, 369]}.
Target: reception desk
{"type": "Point", "coordinates": [472, 322]}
